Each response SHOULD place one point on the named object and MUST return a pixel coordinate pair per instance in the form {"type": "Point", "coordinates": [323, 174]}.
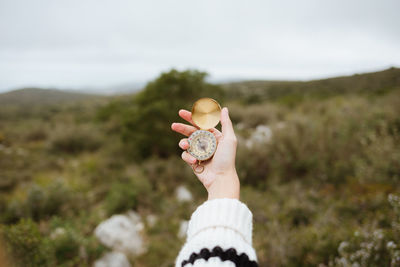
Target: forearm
{"type": "Point", "coordinates": [219, 234]}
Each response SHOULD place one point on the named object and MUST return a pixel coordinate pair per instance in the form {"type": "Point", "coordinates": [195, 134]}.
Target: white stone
{"type": "Point", "coordinates": [122, 233]}
{"type": "Point", "coordinates": [59, 231]}
{"type": "Point", "coordinates": [183, 229]}
{"type": "Point", "coordinates": [151, 220]}
{"type": "Point", "coordinates": [183, 194]}
{"type": "Point", "coordinates": [113, 259]}
{"type": "Point", "coordinates": [262, 134]}
{"type": "Point", "coordinates": [136, 220]}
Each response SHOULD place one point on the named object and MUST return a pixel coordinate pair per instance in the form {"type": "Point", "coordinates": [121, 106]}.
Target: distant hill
{"type": "Point", "coordinates": [256, 91]}
{"type": "Point", "coordinates": [36, 96]}
{"type": "Point", "coordinates": [248, 91]}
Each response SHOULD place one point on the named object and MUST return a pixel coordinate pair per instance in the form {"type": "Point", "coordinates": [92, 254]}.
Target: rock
{"type": "Point", "coordinates": [262, 134]}
{"type": "Point", "coordinates": [183, 229]}
{"type": "Point", "coordinates": [113, 259]}
{"type": "Point", "coordinates": [183, 194]}
{"type": "Point", "coordinates": [122, 233]}
{"type": "Point", "coordinates": [151, 220]}
{"type": "Point", "coordinates": [136, 220]}
{"type": "Point", "coordinates": [59, 231]}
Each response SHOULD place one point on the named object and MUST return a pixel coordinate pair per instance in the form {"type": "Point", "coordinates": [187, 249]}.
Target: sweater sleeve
{"type": "Point", "coordinates": [219, 235]}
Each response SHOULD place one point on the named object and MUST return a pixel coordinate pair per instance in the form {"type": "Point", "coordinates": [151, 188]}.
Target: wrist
{"type": "Point", "coordinates": [225, 186]}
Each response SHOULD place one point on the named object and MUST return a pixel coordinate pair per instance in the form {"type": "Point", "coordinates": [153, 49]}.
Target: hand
{"type": "Point", "coordinates": [219, 176]}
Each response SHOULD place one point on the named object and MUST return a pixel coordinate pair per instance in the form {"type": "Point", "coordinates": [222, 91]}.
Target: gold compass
{"type": "Point", "coordinates": [206, 114]}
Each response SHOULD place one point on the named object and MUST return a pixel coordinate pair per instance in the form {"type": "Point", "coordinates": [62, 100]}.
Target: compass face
{"type": "Point", "coordinates": [202, 145]}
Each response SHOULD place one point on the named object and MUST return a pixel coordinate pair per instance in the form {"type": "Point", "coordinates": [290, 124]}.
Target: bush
{"type": "Point", "coordinates": [36, 134]}
{"type": "Point", "coordinates": [72, 241]}
{"type": "Point", "coordinates": [74, 140]}
{"type": "Point", "coordinates": [331, 141]}
{"type": "Point", "coordinates": [146, 124]}
{"type": "Point", "coordinates": [121, 197]}
{"type": "Point", "coordinates": [44, 202]}
{"type": "Point", "coordinates": [26, 245]}
{"type": "Point", "coordinates": [65, 244]}
{"type": "Point", "coordinates": [374, 246]}
{"type": "Point", "coordinates": [40, 203]}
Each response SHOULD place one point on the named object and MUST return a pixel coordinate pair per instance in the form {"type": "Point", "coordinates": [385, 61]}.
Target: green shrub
{"type": "Point", "coordinates": [26, 245]}
{"type": "Point", "coordinates": [373, 246]}
{"type": "Point", "coordinates": [253, 115]}
{"type": "Point", "coordinates": [166, 174]}
{"type": "Point", "coordinates": [146, 124]}
{"type": "Point", "coordinates": [72, 241]}
{"type": "Point", "coordinates": [40, 203]}
{"type": "Point", "coordinates": [44, 202]}
{"type": "Point", "coordinates": [65, 244]}
{"type": "Point", "coordinates": [121, 197]}
{"type": "Point", "coordinates": [37, 134]}
{"type": "Point", "coordinates": [331, 141]}
{"type": "Point", "coordinates": [74, 140]}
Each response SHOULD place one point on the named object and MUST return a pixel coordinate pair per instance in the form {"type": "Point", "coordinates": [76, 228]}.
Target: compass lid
{"type": "Point", "coordinates": [206, 113]}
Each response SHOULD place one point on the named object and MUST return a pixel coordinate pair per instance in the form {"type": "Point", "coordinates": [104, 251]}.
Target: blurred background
{"type": "Point", "coordinates": [90, 172]}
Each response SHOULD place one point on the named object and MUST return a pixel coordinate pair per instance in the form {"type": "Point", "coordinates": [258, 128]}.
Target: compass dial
{"type": "Point", "coordinates": [202, 145]}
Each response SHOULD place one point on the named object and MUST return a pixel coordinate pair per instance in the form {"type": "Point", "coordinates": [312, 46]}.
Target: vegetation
{"type": "Point", "coordinates": [38, 97]}
{"type": "Point", "coordinates": [153, 109]}
{"type": "Point", "coordinates": [321, 175]}
{"type": "Point", "coordinates": [291, 93]}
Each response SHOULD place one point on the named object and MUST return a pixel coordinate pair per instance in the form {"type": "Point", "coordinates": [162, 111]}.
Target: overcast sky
{"type": "Point", "coordinates": [74, 44]}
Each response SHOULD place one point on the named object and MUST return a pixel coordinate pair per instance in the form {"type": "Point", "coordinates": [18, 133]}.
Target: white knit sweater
{"type": "Point", "coordinates": [220, 235]}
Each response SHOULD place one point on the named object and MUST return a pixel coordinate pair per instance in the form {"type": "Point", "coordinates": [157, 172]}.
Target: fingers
{"type": "Point", "coordinates": [227, 129]}
{"type": "Point", "coordinates": [184, 144]}
{"type": "Point", "coordinates": [183, 128]}
{"type": "Point", "coordinates": [216, 133]}
{"type": "Point", "coordinates": [188, 158]}
{"type": "Point", "coordinates": [186, 115]}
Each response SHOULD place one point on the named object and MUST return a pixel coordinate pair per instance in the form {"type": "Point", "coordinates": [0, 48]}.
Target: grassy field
{"type": "Point", "coordinates": [319, 164]}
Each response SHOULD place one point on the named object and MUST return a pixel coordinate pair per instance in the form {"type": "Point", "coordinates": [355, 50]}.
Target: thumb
{"type": "Point", "coordinates": [227, 129]}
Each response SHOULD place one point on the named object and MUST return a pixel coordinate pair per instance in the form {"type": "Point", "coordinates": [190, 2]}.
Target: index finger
{"type": "Point", "coordinates": [184, 129]}
{"type": "Point", "coordinates": [187, 116]}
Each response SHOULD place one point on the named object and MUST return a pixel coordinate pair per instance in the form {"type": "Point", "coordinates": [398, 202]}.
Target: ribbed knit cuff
{"type": "Point", "coordinates": [224, 212]}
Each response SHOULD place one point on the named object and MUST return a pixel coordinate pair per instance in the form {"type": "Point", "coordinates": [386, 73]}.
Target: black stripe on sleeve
{"type": "Point", "coordinates": [241, 260]}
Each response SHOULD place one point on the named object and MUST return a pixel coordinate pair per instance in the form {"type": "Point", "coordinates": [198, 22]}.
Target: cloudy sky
{"type": "Point", "coordinates": [74, 44]}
